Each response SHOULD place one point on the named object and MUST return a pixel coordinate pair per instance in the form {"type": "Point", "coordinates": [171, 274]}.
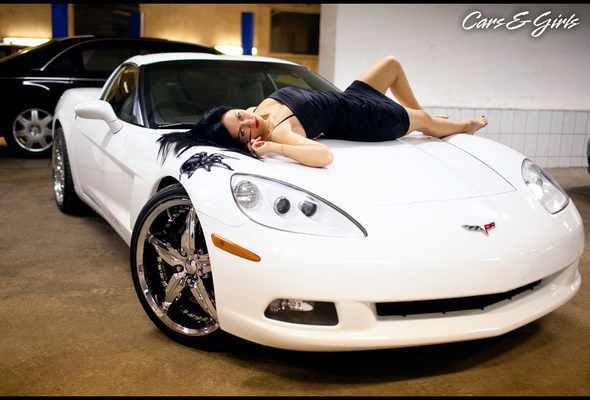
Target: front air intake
{"type": "Point", "coordinates": [405, 308]}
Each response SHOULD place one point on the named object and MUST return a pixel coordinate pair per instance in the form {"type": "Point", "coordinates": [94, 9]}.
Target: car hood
{"type": "Point", "coordinates": [414, 169]}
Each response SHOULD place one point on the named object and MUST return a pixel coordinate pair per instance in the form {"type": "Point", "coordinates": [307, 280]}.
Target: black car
{"type": "Point", "coordinates": [33, 80]}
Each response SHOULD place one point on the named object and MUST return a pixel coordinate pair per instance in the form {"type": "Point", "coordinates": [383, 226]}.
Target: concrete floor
{"type": "Point", "coordinates": [71, 324]}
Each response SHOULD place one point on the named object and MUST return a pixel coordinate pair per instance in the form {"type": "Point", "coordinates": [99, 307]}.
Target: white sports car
{"type": "Point", "coordinates": [410, 242]}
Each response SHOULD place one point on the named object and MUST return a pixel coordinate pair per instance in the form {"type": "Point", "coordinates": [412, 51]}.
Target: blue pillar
{"type": "Point", "coordinates": [247, 32]}
{"type": "Point", "coordinates": [137, 24]}
{"type": "Point", "coordinates": [59, 20]}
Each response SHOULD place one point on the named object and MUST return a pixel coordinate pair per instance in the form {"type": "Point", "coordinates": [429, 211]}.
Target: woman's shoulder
{"type": "Point", "coordinates": [286, 127]}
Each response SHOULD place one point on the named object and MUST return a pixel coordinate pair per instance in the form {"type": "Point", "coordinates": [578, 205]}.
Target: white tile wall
{"type": "Point", "coordinates": [551, 138]}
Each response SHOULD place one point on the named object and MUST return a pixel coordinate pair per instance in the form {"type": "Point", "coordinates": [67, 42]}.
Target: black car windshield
{"type": "Point", "coordinates": [178, 93]}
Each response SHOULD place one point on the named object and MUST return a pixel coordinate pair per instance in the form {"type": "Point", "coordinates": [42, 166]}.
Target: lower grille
{"type": "Point", "coordinates": [404, 308]}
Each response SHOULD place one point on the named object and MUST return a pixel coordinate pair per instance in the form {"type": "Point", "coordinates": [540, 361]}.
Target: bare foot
{"type": "Point", "coordinates": [476, 124]}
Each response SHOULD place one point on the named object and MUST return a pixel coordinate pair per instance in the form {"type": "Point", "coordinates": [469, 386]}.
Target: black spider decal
{"type": "Point", "coordinates": [202, 160]}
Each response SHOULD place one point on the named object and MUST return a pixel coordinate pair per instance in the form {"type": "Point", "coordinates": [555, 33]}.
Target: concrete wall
{"type": "Point", "coordinates": [216, 24]}
{"type": "Point", "coordinates": [25, 20]}
{"type": "Point", "coordinates": [535, 91]}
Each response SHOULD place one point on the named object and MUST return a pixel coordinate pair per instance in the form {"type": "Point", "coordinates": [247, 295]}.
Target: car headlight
{"type": "Point", "coordinates": [285, 207]}
{"type": "Point", "coordinates": [544, 187]}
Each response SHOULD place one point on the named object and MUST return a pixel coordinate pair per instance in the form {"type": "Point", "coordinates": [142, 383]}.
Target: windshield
{"type": "Point", "coordinates": [179, 93]}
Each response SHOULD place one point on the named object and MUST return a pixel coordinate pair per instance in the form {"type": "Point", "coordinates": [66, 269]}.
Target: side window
{"type": "Point", "coordinates": [101, 57]}
{"type": "Point", "coordinates": [67, 62]}
{"type": "Point", "coordinates": [121, 95]}
{"type": "Point", "coordinates": [107, 56]}
{"type": "Point", "coordinates": [92, 58]}
{"type": "Point", "coordinates": [105, 59]}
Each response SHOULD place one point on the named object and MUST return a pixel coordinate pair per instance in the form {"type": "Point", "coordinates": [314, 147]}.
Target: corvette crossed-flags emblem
{"type": "Point", "coordinates": [477, 228]}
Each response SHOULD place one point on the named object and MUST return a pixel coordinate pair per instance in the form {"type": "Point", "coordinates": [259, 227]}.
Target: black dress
{"type": "Point", "coordinates": [360, 113]}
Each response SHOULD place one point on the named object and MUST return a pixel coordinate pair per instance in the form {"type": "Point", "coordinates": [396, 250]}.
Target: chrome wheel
{"type": "Point", "coordinates": [171, 270]}
{"type": "Point", "coordinates": [63, 185]}
{"type": "Point", "coordinates": [58, 170]}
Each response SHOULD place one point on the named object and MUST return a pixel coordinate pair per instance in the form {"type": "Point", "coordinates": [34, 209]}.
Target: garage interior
{"type": "Point", "coordinates": [71, 323]}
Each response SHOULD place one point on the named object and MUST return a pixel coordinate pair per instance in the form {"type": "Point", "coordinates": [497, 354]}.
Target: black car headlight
{"type": "Point", "coordinates": [279, 205]}
{"type": "Point", "coordinates": [544, 187]}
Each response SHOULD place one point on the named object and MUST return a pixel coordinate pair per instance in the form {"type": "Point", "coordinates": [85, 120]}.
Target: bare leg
{"type": "Point", "coordinates": [388, 73]}
{"type": "Point", "coordinates": [439, 127]}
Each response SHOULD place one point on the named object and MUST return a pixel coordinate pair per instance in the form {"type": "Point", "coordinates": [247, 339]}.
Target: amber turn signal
{"type": "Point", "coordinates": [233, 248]}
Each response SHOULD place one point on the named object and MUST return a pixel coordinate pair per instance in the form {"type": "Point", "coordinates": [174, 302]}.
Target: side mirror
{"type": "Point", "coordinates": [99, 109]}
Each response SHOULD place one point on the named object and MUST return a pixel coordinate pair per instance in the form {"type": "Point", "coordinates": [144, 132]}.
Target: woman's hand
{"type": "Point", "coordinates": [260, 147]}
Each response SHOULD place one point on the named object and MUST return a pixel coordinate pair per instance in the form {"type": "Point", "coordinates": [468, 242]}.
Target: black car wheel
{"type": "Point", "coordinates": [63, 186]}
{"type": "Point", "coordinates": [30, 133]}
{"type": "Point", "coordinates": [172, 273]}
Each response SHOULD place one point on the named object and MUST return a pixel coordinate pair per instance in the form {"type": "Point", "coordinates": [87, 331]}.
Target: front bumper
{"type": "Point", "coordinates": [423, 261]}
{"type": "Point", "coordinates": [360, 328]}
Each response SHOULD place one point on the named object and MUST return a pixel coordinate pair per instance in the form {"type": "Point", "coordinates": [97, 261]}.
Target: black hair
{"type": "Point", "coordinates": [209, 131]}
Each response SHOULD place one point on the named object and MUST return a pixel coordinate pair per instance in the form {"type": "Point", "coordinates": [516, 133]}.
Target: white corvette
{"type": "Point", "coordinates": [410, 242]}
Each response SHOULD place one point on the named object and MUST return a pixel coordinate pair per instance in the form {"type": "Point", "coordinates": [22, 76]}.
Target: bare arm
{"type": "Point", "coordinates": [289, 144]}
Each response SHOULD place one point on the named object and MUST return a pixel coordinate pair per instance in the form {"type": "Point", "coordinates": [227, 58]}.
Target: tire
{"type": "Point", "coordinates": [171, 271]}
{"type": "Point", "coordinates": [63, 185]}
{"type": "Point", "coordinates": [30, 133]}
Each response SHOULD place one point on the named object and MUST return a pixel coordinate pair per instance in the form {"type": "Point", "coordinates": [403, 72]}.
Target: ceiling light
{"type": "Point", "coordinates": [234, 50]}
{"type": "Point", "coordinates": [25, 41]}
